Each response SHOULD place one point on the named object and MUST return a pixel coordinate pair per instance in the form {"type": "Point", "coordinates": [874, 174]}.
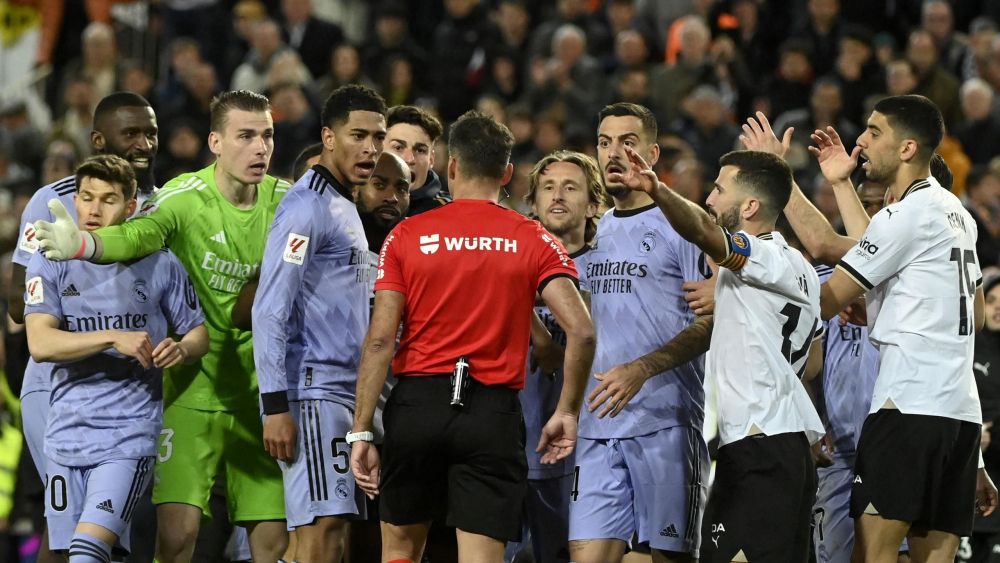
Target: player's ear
{"type": "Point", "coordinates": [130, 207]}
{"type": "Point", "coordinates": [97, 140]}
{"type": "Point", "coordinates": [452, 168]}
{"type": "Point", "coordinates": [329, 139]}
{"type": "Point", "coordinates": [654, 154]}
{"type": "Point", "coordinates": [909, 150]}
{"type": "Point", "coordinates": [214, 140]}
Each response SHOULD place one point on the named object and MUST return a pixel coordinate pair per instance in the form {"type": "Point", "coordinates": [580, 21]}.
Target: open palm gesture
{"type": "Point", "coordinates": [639, 177]}
{"type": "Point", "coordinates": [834, 161]}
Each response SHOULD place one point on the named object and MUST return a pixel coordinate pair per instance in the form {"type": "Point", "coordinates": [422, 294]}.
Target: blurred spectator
{"type": "Point", "coordinates": [631, 53]}
{"type": "Point", "coordinates": [183, 56]}
{"type": "Point", "coordinates": [246, 14]}
{"type": "Point", "coordinates": [982, 31]}
{"type": "Point", "coordinates": [200, 86]}
{"type": "Point", "coordinates": [548, 134]}
{"type": "Point", "coordinates": [822, 30]}
{"type": "Point", "coordinates": [14, 176]}
{"type": "Point", "coordinates": [900, 77]}
{"type": "Point", "coordinates": [707, 128]}
{"type": "Point", "coordinates": [825, 200]}
{"type": "Point", "coordinates": [287, 68]}
{"type": "Point", "coordinates": [462, 43]}
{"type": "Point", "coordinates": [654, 19]}
{"type": "Point", "coordinates": [265, 43]}
{"type": "Point", "coordinates": [184, 150]}
{"type": "Point", "coordinates": [670, 83]}
{"type": "Point", "coordinates": [632, 86]}
{"type": "Point", "coordinates": [397, 84]}
{"type": "Point", "coordinates": [345, 68]}
{"type": "Point", "coordinates": [933, 81]}
{"type": "Point", "coordinates": [493, 106]}
{"type": "Point", "coordinates": [689, 180]}
{"type": "Point", "coordinates": [505, 77]}
{"type": "Point", "coordinates": [755, 35]}
{"type": "Point", "coordinates": [514, 24]}
{"type": "Point", "coordinates": [61, 158]}
{"type": "Point", "coordinates": [311, 37]}
{"type": "Point", "coordinates": [621, 16]}
{"type": "Point", "coordinates": [522, 125]}
{"type": "Point", "coordinates": [979, 132]}
{"type": "Point", "coordinates": [571, 12]}
{"type": "Point", "coordinates": [938, 19]}
{"type": "Point", "coordinates": [98, 61]}
{"type": "Point", "coordinates": [135, 78]}
{"type": "Point", "coordinates": [78, 117]}
{"type": "Point", "coordinates": [791, 86]}
{"type": "Point", "coordinates": [885, 48]}
{"type": "Point", "coordinates": [27, 143]}
{"type": "Point", "coordinates": [858, 70]}
{"type": "Point", "coordinates": [983, 203]}
{"type": "Point", "coordinates": [567, 83]}
{"type": "Point", "coordinates": [825, 110]}
{"type": "Point", "coordinates": [205, 21]}
{"type": "Point", "coordinates": [296, 126]}
{"type": "Point", "coordinates": [392, 40]}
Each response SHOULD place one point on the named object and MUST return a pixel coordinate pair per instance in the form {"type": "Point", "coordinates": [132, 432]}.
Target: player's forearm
{"type": "Point", "coordinates": [128, 241]}
{"type": "Point", "coordinates": [376, 354]}
{"type": "Point", "coordinates": [194, 344]}
{"type": "Point", "coordinates": [48, 344]}
{"type": "Point", "coordinates": [692, 222]}
{"type": "Point", "coordinates": [852, 211]}
{"type": "Point", "coordinates": [814, 230]}
{"type": "Point", "coordinates": [689, 343]}
{"type": "Point", "coordinates": [577, 361]}
{"type": "Point", "coordinates": [270, 347]}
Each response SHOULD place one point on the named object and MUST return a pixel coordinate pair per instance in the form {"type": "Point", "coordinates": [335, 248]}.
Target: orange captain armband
{"type": "Point", "coordinates": [737, 251]}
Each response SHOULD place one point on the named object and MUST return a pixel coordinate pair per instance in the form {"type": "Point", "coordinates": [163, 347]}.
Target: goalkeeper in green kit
{"type": "Point", "coordinates": [216, 221]}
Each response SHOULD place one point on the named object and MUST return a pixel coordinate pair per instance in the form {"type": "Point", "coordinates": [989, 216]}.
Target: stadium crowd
{"type": "Point", "coordinates": [547, 70]}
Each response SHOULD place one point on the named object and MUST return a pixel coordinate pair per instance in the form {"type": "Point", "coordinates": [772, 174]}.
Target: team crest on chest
{"type": "Point", "coordinates": [648, 242]}
{"type": "Point", "coordinates": [139, 291]}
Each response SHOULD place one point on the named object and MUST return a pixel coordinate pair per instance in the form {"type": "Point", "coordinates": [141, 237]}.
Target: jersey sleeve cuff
{"type": "Point", "coordinates": [275, 402]}
{"type": "Point", "coordinates": [547, 280]}
{"type": "Point", "coordinates": [855, 275]}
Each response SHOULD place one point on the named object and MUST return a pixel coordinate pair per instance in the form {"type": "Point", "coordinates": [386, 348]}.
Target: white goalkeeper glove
{"type": "Point", "coordinates": [62, 239]}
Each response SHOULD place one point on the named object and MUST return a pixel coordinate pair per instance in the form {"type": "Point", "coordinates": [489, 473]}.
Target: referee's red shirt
{"type": "Point", "coordinates": [469, 271]}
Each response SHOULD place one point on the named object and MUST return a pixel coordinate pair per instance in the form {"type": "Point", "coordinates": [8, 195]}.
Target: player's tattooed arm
{"type": "Point", "coordinates": [621, 383]}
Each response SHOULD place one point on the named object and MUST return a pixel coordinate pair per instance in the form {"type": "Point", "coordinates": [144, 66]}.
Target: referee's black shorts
{"type": "Point", "coordinates": [466, 465]}
{"type": "Point", "coordinates": [919, 469]}
{"type": "Point", "coordinates": [760, 506]}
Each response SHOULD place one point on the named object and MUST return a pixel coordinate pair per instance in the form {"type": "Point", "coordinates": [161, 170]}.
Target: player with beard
{"type": "Point", "coordinates": [384, 199]}
{"type": "Point", "coordinates": [310, 315]}
{"type": "Point", "coordinates": [907, 262]}
{"type": "Point", "coordinates": [125, 126]}
{"type": "Point", "coordinates": [642, 470]}
{"type": "Point", "coordinates": [565, 190]}
{"type": "Point", "coordinates": [411, 134]}
{"type": "Point", "coordinates": [216, 221]}
{"type": "Point", "coordinates": [767, 321]}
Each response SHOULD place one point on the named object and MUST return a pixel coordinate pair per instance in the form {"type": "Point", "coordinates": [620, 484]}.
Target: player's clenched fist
{"type": "Point", "coordinates": [135, 345]}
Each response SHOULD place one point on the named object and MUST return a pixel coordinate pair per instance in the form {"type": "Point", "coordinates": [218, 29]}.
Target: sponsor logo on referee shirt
{"type": "Point", "coordinates": [295, 249]}
{"type": "Point", "coordinates": [430, 244]}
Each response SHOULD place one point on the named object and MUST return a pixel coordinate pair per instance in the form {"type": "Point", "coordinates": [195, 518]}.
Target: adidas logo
{"type": "Point", "coordinates": [106, 506]}
{"type": "Point", "coordinates": [70, 291]}
{"type": "Point", "coordinates": [219, 237]}
{"type": "Point", "coordinates": [669, 532]}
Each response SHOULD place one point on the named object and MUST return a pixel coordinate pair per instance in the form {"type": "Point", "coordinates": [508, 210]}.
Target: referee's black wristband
{"type": "Point", "coordinates": [275, 403]}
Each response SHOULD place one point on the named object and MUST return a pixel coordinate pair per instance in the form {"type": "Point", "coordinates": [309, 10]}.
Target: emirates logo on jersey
{"type": "Point", "coordinates": [429, 244]}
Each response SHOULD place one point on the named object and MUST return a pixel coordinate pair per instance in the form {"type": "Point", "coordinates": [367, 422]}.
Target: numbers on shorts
{"type": "Point", "coordinates": [575, 493]}
{"type": "Point", "coordinates": [57, 492]}
{"type": "Point", "coordinates": [964, 549]}
{"type": "Point", "coordinates": [166, 445]}
{"type": "Point", "coordinates": [341, 453]}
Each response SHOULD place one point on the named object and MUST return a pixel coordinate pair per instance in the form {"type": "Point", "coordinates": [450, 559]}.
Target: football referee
{"type": "Point", "coordinates": [463, 279]}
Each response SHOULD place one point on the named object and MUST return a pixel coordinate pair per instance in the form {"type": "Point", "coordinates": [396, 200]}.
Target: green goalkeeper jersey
{"type": "Point", "coordinates": [221, 248]}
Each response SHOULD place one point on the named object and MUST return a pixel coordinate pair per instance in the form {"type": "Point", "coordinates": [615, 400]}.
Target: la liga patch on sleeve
{"type": "Point", "coordinates": [295, 249]}
{"type": "Point", "coordinates": [35, 291]}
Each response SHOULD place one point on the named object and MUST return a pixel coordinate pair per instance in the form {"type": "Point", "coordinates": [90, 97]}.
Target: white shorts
{"type": "Point", "coordinates": [319, 482]}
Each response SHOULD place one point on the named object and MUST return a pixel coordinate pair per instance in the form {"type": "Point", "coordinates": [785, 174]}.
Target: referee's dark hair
{"type": "Point", "coordinates": [480, 144]}
{"type": "Point", "coordinates": [914, 117]}
{"type": "Point", "coordinates": [417, 117]}
{"type": "Point", "coordinates": [766, 176]}
{"type": "Point", "coordinates": [113, 102]}
{"type": "Point", "coordinates": [348, 98]}
{"type": "Point", "coordinates": [243, 100]}
{"type": "Point", "coordinates": [625, 109]}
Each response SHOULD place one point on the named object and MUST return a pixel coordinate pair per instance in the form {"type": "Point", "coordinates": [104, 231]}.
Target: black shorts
{"type": "Point", "coordinates": [761, 501]}
{"type": "Point", "coordinates": [919, 469]}
{"type": "Point", "coordinates": [466, 465]}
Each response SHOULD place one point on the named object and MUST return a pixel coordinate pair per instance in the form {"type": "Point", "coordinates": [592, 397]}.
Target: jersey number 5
{"type": "Point", "coordinates": [966, 287]}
